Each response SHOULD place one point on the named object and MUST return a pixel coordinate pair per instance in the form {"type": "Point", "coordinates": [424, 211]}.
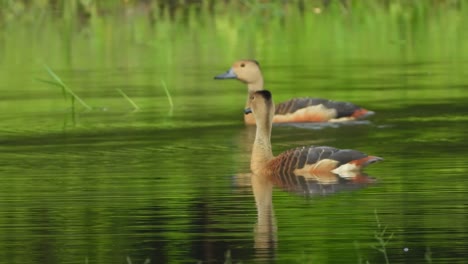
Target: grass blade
{"type": "Point", "coordinates": [129, 260]}
{"type": "Point", "coordinates": [135, 106]}
{"type": "Point", "coordinates": [65, 88]}
{"type": "Point", "coordinates": [169, 98]}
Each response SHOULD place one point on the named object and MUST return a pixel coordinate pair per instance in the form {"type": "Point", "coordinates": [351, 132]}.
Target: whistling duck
{"type": "Point", "coordinates": [295, 110]}
{"type": "Point", "coordinates": [307, 160]}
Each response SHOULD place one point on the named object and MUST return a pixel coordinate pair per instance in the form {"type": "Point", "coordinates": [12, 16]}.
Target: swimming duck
{"type": "Point", "coordinates": [305, 161]}
{"type": "Point", "coordinates": [296, 110]}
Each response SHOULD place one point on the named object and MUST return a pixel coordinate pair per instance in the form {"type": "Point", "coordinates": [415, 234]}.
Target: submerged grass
{"type": "Point", "coordinates": [382, 238]}
{"type": "Point", "coordinates": [65, 89]}
{"type": "Point", "coordinates": [169, 97]}
{"type": "Point", "coordinates": [129, 261]}
{"type": "Point", "coordinates": [135, 106]}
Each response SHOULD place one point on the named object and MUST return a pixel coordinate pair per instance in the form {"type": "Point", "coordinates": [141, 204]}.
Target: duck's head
{"type": "Point", "coordinates": [246, 71]}
{"type": "Point", "coordinates": [261, 105]}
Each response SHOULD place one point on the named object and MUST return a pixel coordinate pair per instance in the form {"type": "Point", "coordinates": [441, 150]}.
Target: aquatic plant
{"type": "Point", "coordinates": [382, 237]}
{"type": "Point", "coordinates": [129, 260]}
{"type": "Point", "coordinates": [135, 106]}
{"type": "Point", "coordinates": [65, 89]}
{"type": "Point", "coordinates": [169, 97]}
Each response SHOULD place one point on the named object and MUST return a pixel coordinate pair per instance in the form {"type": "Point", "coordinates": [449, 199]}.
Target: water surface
{"type": "Point", "coordinates": [104, 185]}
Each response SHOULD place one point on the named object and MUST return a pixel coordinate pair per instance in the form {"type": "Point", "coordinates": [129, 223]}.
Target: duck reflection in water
{"type": "Point", "coordinates": [265, 231]}
{"type": "Point", "coordinates": [306, 170]}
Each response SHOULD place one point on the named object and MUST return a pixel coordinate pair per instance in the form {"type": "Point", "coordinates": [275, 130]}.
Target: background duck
{"type": "Point", "coordinates": [306, 161]}
{"type": "Point", "coordinates": [296, 110]}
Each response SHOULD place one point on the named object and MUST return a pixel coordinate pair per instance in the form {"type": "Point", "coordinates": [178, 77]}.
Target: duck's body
{"type": "Point", "coordinates": [305, 161]}
{"type": "Point", "coordinates": [296, 110]}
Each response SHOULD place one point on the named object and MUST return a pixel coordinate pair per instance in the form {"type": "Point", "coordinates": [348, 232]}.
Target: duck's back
{"type": "Point", "coordinates": [317, 110]}
{"type": "Point", "coordinates": [313, 160]}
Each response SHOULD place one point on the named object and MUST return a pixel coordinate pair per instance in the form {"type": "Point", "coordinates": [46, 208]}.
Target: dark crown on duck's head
{"type": "Point", "coordinates": [265, 94]}
{"type": "Point", "coordinates": [256, 62]}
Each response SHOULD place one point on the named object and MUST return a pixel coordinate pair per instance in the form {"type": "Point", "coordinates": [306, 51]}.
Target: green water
{"type": "Point", "coordinates": [171, 185]}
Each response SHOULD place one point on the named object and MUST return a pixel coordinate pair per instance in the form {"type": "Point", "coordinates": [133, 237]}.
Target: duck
{"type": "Point", "coordinates": [306, 161]}
{"type": "Point", "coordinates": [296, 110]}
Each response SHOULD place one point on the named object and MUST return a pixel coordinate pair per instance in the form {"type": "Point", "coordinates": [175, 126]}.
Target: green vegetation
{"type": "Point", "coordinates": [129, 261]}
{"type": "Point", "coordinates": [135, 106]}
{"type": "Point", "coordinates": [163, 36]}
{"type": "Point", "coordinates": [382, 238]}
{"type": "Point", "coordinates": [276, 30]}
{"type": "Point", "coordinates": [169, 97]}
{"type": "Point", "coordinates": [176, 41]}
{"type": "Point", "coordinates": [65, 89]}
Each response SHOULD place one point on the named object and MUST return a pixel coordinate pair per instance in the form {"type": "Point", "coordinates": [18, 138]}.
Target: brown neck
{"type": "Point", "coordinates": [252, 87]}
{"type": "Point", "coordinates": [249, 119]}
{"type": "Point", "coordinates": [261, 151]}
{"type": "Point", "coordinates": [255, 86]}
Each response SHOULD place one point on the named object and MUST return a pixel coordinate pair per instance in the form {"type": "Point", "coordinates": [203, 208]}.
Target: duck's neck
{"type": "Point", "coordinates": [261, 151]}
{"type": "Point", "coordinates": [252, 87]}
{"type": "Point", "coordinates": [256, 86]}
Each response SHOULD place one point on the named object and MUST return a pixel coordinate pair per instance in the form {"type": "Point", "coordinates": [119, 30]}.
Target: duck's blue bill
{"type": "Point", "coordinates": [227, 75]}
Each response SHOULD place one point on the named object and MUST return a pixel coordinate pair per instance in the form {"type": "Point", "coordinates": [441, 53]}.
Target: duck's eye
{"type": "Point", "coordinates": [242, 65]}
{"type": "Point", "coordinates": [252, 97]}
